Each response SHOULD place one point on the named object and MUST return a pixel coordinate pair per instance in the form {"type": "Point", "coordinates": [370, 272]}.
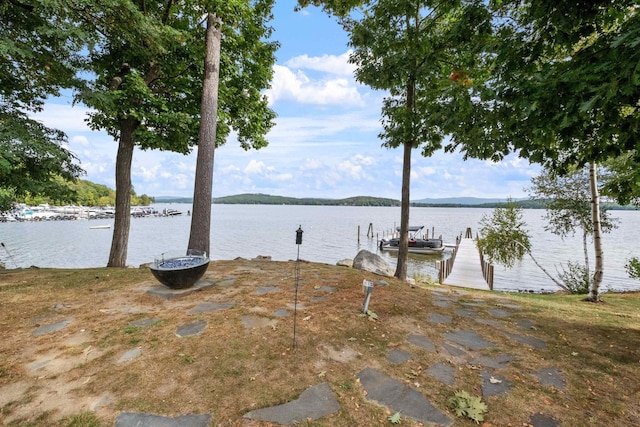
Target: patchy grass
{"type": "Point", "coordinates": [72, 377]}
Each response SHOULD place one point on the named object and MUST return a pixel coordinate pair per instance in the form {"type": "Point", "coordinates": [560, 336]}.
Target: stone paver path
{"type": "Point", "coordinates": [400, 398]}
{"type": "Point", "coordinates": [314, 403]}
{"type": "Point", "coordinates": [129, 419]}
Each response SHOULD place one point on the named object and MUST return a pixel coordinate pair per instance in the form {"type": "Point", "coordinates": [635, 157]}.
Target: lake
{"type": "Point", "coordinates": [330, 234]}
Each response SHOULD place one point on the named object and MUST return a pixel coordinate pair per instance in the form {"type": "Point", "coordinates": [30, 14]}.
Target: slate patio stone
{"type": "Point", "coordinates": [536, 343]}
{"type": "Point", "coordinates": [497, 361]}
{"type": "Point", "coordinates": [509, 305]}
{"type": "Point", "coordinates": [542, 420]}
{"type": "Point", "coordinates": [190, 329]}
{"type": "Point", "coordinates": [263, 290]}
{"type": "Point", "coordinates": [398, 397]}
{"type": "Point", "coordinates": [281, 313]}
{"type": "Point", "coordinates": [472, 304]}
{"type": "Point", "coordinates": [441, 304]}
{"type": "Point", "coordinates": [144, 322]}
{"type": "Point", "coordinates": [439, 318]}
{"type": "Point", "coordinates": [314, 403]}
{"type": "Point", "coordinates": [325, 288]}
{"type": "Point", "coordinates": [490, 322]}
{"type": "Point", "coordinates": [53, 327]}
{"type": "Point", "coordinates": [551, 376]}
{"type": "Point", "coordinates": [469, 339]}
{"type": "Point", "coordinates": [463, 312]}
{"type": "Point", "coordinates": [526, 324]}
{"type": "Point", "coordinates": [499, 313]}
{"type": "Point", "coordinates": [130, 355]}
{"type": "Point", "coordinates": [130, 419]}
{"type": "Point", "coordinates": [422, 342]}
{"type": "Point", "coordinates": [395, 356]}
{"type": "Point", "coordinates": [299, 306]}
{"type": "Point", "coordinates": [454, 351]}
{"type": "Point", "coordinates": [493, 385]}
{"type": "Point", "coordinates": [207, 307]}
{"type": "Point", "coordinates": [229, 281]}
{"type": "Point", "coordinates": [252, 322]}
{"type": "Point", "coordinates": [39, 365]}
{"type": "Point", "coordinates": [318, 299]}
{"type": "Point", "coordinates": [443, 372]}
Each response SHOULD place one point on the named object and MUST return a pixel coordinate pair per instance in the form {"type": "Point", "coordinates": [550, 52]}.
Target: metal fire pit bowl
{"type": "Point", "coordinates": [180, 271]}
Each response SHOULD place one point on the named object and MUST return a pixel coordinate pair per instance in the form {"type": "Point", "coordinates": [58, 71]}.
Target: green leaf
{"type": "Point", "coordinates": [395, 418]}
{"type": "Point", "coordinates": [465, 405]}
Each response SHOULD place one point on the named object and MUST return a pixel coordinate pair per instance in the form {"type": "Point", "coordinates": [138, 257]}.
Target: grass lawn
{"type": "Point", "coordinates": [245, 359]}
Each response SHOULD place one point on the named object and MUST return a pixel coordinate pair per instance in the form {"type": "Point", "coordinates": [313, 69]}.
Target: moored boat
{"type": "Point", "coordinates": [416, 244]}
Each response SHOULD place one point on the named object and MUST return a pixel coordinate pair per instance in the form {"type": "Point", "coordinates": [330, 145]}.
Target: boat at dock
{"type": "Point", "coordinates": [417, 244]}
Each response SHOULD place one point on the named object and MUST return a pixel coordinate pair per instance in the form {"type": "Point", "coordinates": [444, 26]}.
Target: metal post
{"type": "Point", "coordinates": [9, 253]}
{"type": "Point", "coordinates": [367, 288]}
{"type": "Point", "coordinates": [295, 302]}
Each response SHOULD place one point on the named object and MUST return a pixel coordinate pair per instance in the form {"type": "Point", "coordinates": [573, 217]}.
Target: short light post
{"type": "Point", "coordinates": [367, 289]}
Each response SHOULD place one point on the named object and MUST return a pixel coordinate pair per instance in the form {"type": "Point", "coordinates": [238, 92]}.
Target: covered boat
{"type": "Point", "coordinates": [417, 244]}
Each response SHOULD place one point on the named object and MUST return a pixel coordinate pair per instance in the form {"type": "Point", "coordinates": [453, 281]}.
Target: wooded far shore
{"type": "Point", "coordinates": [454, 202]}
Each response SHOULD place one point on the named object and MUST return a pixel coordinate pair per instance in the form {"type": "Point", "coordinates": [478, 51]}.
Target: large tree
{"type": "Point", "coordinates": [563, 90]}
{"type": "Point", "coordinates": [39, 47]}
{"type": "Point", "coordinates": [149, 64]}
{"type": "Point", "coordinates": [240, 61]}
{"type": "Point", "coordinates": [413, 50]}
{"type": "Point", "coordinates": [568, 200]}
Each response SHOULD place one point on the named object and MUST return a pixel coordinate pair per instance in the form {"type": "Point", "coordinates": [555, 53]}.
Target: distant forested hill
{"type": "Point", "coordinates": [266, 199]}
{"type": "Point", "coordinates": [87, 193]}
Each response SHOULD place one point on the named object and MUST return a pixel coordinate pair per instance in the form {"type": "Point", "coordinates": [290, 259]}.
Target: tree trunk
{"type": "Point", "coordinates": [585, 248]}
{"type": "Point", "coordinates": [122, 220]}
{"type": "Point", "coordinates": [598, 270]}
{"type": "Point", "coordinates": [200, 234]}
{"type": "Point", "coordinates": [403, 248]}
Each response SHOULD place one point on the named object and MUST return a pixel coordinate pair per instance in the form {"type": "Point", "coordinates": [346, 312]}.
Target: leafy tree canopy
{"type": "Point", "coordinates": [32, 157]}
{"type": "Point", "coordinates": [38, 57]}
{"type": "Point", "coordinates": [564, 84]}
{"type": "Point", "coordinates": [149, 68]}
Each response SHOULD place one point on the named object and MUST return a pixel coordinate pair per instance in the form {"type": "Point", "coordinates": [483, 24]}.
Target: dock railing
{"type": "Point", "coordinates": [446, 265]}
{"type": "Point", "coordinates": [487, 270]}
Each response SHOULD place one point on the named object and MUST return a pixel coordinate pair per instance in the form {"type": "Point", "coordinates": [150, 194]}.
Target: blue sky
{"type": "Point", "coordinates": [324, 143]}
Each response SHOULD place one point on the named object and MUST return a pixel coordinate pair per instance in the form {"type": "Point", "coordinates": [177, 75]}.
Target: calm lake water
{"type": "Point", "coordinates": [330, 234]}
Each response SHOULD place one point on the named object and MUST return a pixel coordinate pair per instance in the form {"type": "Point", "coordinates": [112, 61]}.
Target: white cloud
{"type": "Point", "coordinates": [299, 87]}
{"type": "Point", "coordinates": [332, 64]}
{"type": "Point", "coordinates": [65, 117]}
{"type": "Point", "coordinates": [79, 140]}
{"type": "Point", "coordinates": [426, 170]}
{"type": "Point", "coordinates": [254, 167]}
{"type": "Point", "coordinates": [351, 169]}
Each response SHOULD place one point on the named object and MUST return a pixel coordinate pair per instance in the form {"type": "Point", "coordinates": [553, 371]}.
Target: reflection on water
{"type": "Point", "coordinates": [330, 234]}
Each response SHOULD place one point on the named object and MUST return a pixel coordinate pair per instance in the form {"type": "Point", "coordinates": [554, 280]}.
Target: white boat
{"type": "Point", "coordinates": [100, 227]}
{"type": "Point", "coordinates": [417, 244]}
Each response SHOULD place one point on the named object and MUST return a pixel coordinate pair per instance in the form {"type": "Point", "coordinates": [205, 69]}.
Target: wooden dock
{"type": "Point", "coordinates": [467, 269]}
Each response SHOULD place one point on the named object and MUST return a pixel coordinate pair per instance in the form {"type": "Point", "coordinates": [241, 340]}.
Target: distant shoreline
{"type": "Point", "coordinates": [454, 202]}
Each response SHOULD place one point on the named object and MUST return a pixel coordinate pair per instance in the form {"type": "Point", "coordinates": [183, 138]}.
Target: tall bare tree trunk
{"type": "Point", "coordinates": [598, 270]}
{"type": "Point", "coordinates": [403, 248]}
{"type": "Point", "coordinates": [122, 220]}
{"type": "Point", "coordinates": [200, 234]}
